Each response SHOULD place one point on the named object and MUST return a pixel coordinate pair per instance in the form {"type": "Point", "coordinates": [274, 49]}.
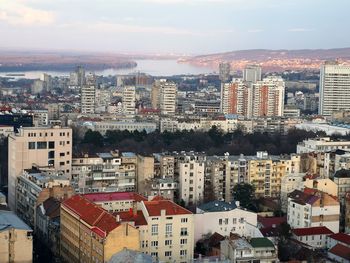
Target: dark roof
{"type": "Point", "coordinates": [309, 231]}
{"type": "Point", "coordinates": [261, 242]}
{"type": "Point", "coordinates": [215, 239]}
{"type": "Point", "coordinates": [217, 206]}
{"type": "Point", "coordinates": [344, 238]}
{"type": "Point", "coordinates": [271, 221]}
{"type": "Point", "coordinates": [340, 251]}
{"type": "Point", "coordinates": [302, 197]}
{"type": "Point", "coordinates": [270, 231]}
{"type": "Point", "coordinates": [52, 207]}
{"type": "Point", "coordinates": [342, 173]}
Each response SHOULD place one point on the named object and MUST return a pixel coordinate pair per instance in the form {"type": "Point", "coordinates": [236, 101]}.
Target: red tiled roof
{"type": "Point", "coordinates": [340, 251]}
{"type": "Point", "coordinates": [99, 219]}
{"type": "Point", "coordinates": [129, 216]}
{"type": "Point", "coordinates": [114, 196]}
{"type": "Point", "coordinates": [270, 221]}
{"type": "Point", "coordinates": [319, 230]}
{"type": "Point", "coordinates": [344, 238]}
{"type": "Point", "coordinates": [154, 208]}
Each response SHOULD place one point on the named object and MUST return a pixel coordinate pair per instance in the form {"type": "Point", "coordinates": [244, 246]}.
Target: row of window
{"type": "Point", "coordinates": [183, 252]}
{"type": "Point", "coordinates": [168, 230]}
{"type": "Point", "coordinates": [45, 134]}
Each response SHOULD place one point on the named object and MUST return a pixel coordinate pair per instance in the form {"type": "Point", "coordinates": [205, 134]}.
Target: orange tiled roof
{"type": "Point", "coordinates": [154, 208]}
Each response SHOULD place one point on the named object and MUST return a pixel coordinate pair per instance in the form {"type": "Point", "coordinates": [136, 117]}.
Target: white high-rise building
{"type": "Point", "coordinates": [224, 71]}
{"type": "Point", "coordinates": [334, 88]}
{"type": "Point", "coordinates": [129, 100]}
{"type": "Point", "coordinates": [44, 147]}
{"type": "Point", "coordinates": [88, 99]}
{"type": "Point", "coordinates": [167, 98]}
{"type": "Point", "coordinates": [252, 73]}
{"type": "Point", "coordinates": [268, 97]}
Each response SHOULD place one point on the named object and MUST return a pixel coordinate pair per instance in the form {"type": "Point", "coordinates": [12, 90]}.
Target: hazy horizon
{"type": "Point", "coordinates": [173, 26]}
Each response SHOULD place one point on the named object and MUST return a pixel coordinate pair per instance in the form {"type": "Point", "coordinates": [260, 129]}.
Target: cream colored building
{"type": "Point", "coordinates": [322, 145]}
{"type": "Point", "coordinates": [42, 147]}
{"type": "Point", "coordinates": [129, 100]}
{"type": "Point", "coordinates": [16, 240]}
{"type": "Point", "coordinates": [167, 98]}
{"type": "Point", "coordinates": [166, 230]}
{"type": "Point", "coordinates": [88, 99]}
{"type": "Point", "coordinates": [91, 234]}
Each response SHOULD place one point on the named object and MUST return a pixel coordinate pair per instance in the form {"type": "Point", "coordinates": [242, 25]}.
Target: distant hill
{"type": "Point", "coordinates": [274, 59]}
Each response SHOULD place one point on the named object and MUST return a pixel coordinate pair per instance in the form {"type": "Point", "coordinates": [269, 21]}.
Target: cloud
{"type": "Point", "coordinates": [299, 30]}
{"type": "Point", "coordinates": [127, 28]}
{"type": "Point", "coordinates": [15, 12]}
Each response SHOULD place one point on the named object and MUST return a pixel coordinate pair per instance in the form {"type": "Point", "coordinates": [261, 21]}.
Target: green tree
{"type": "Point", "coordinates": [93, 137]}
{"type": "Point", "coordinates": [244, 193]}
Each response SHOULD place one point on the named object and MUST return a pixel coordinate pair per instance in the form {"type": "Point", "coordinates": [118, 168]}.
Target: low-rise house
{"type": "Point", "coordinates": [223, 218]}
{"type": "Point", "coordinates": [314, 237]}
{"type": "Point", "coordinates": [338, 238]}
{"type": "Point", "coordinates": [339, 253]}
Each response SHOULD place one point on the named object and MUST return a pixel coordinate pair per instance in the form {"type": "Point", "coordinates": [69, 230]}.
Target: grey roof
{"type": "Point", "coordinates": [342, 173]}
{"type": "Point", "coordinates": [130, 256]}
{"type": "Point", "coordinates": [217, 206]}
{"type": "Point", "coordinates": [128, 154]}
{"type": "Point", "coordinates": [8, 219]}
{"type": "Point", "coordinates": [105, 155]}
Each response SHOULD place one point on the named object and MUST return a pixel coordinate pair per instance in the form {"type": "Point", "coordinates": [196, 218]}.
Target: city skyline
{"type": "Point", "coordinates": [178, 26]}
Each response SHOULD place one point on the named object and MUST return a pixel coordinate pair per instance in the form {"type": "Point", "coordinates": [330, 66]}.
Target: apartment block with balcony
{"type": "Point", "coordinates": [312, 208]}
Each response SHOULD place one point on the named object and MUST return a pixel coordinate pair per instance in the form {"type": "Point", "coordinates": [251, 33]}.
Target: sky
{"type": "Point", "coordinates": [173, 26]}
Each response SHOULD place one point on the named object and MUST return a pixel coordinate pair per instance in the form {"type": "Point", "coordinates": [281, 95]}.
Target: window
{"type": "Point", "coordinates": [183, 241]}
{"type": "Point", "coordinates": [168, 229]}
{"type": "Point", "coordinates": [62, 154]}
{"type": "Point", "coordinates": [31, 145]}
{"type": "Point", "coordinates": [234, 221]}
{"type": "Point", "coordinates": [183, 231]}
{"type": "Point", "coordinates": [184, 220]}
{"type": "Point", "coordinates": [226, 221]}
{"type": "Point", "coordinates": [51, 154]}
{"type": "Point", "coordinates": [41, 145]}
{"type": "Point", "coordinates": [220, 221]}
{"type": "Point", "coordinates": [167, 253]}
{"type": "Point", "coordinates": [168, 242]}
{"type": "Point", "coordinates": [183, 252]}
{"type": "Point", "coordinates": [154, 254]}
{"type": "Point", "coordinates": [154, 244]}
{"type": "Point", "coordinates": [51, 145]}
{"type": "Point", "coordinates": [68, 142]}
{"type": "Point", "coordinates": [61, 163]}
{"type": "Point", "coordinates": [154, 230]}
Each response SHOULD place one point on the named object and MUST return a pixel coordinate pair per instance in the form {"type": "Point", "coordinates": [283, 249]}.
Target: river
{"type": "Point", "coordinates": [152, 67]}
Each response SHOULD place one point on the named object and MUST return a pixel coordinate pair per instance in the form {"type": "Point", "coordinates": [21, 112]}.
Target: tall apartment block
{"type": "Point", "coordinates": [334, 88]}
{"type": "Point", "coordinates": [236, 98]}
{"type": "Point", "coordinates": [268, 97]}
{"type": "Point", "coordinates": [49, 148]}
{"type": "Point", "coordinates": [129, 100]}
{"type": "Point", "coordinates": [252, 73]}
{"type": "Point", "coordinates": [224, 71]}
{"type": "Point", "coordinates": [88, 99]}
{"type": "Point", "coordinates": [167, 98]}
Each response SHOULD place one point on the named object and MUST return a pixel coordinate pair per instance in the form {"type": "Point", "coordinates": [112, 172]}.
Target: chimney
{"type": "Point", "coordinates": [134, 208]}
{"type": "Point", "coordinates": [117, 218]}
{"type": "Point", "coordinates": [237, 203]}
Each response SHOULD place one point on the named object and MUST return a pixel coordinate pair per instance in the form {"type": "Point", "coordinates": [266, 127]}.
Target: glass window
{"type": "Point", "coordinates": [168, 229]}
{"type": "Point", "coordinates": [154, 230]}
{"type": "Point", "coordinates": [183, 231]}
{"type": "Point", "coordinates": [168, 242]}
{"type": "Point", "coordinates": [51, 145]}
{"type": "Point", "coordinates": [183, 252]}
{"type": "Point", "coordinates": [41, 145]}
{"type": "Point", "coordinates": [183, 241]}
{"type": "Point", "coordinates": [31, 145]}
{"type": "Point", "coordinates": [167, 253]}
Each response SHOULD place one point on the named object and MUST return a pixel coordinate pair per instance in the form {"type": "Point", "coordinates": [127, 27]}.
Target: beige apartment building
{"type": "Point", "coordinates": [91, 234]}
{"type": "Point", "coordinates": [49, 147]}
{"type": "Point", "coordinates": [16, 240]}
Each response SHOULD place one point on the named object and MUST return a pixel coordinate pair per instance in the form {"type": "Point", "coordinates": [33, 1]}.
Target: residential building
{"type": "Point", "coordinates": [88, 99]}
{"type": "Point", "coordinates": [322, 144]}
{"type": "Point", "coordinates": [339, 253]}
{"type": "Point", "coordinates": [334, 88]}
{"type": "Point", "coordinates": [130, 256]}
{"type": "Point", "coordinates": [145, 172]}
{"type": "Point", "coordinates": [16, 239]}
{"type": "Point", "coordinates": [313, 237]}
{"type": "Point", "coordinates": [223, 218]}
{"type": "Point", "coordinates": [47, 224]}
{"type": "Point", "coordinates": [191, 179]}
{"type": "Point", "coordinates": [252, 73]}
{"type": "Point", "coordinates": [91, 234]}
{"type": "Point", "coordinates": [166, 230]}
{"type": "Point", "coordinates": [115, 201]}
{"type": "Point", "coordinates": [104, 126]}
{"type": "Point", "coordinates": [5, 130]}
{"type": "Point", "coordinates": [224, 71]}
{"type": "Point", "coordinates": [167, 98]}
{"type": "Point", "coordinates": [312, 208]}
{"type": "Point", "coordinates": [338, 238]}
{"type": "Point", "coordinates": [238, 249]}
{"type": "Point", "coordinates": [268, 97]}
{"type": "Point", "coordinates": [42, 147]}
{"type": "Point", "coordinates": [33, 187]}
{"type": "Point", "coordinates": [129, 101]}
{"type": "Point", "coordinates": [289, 183]}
